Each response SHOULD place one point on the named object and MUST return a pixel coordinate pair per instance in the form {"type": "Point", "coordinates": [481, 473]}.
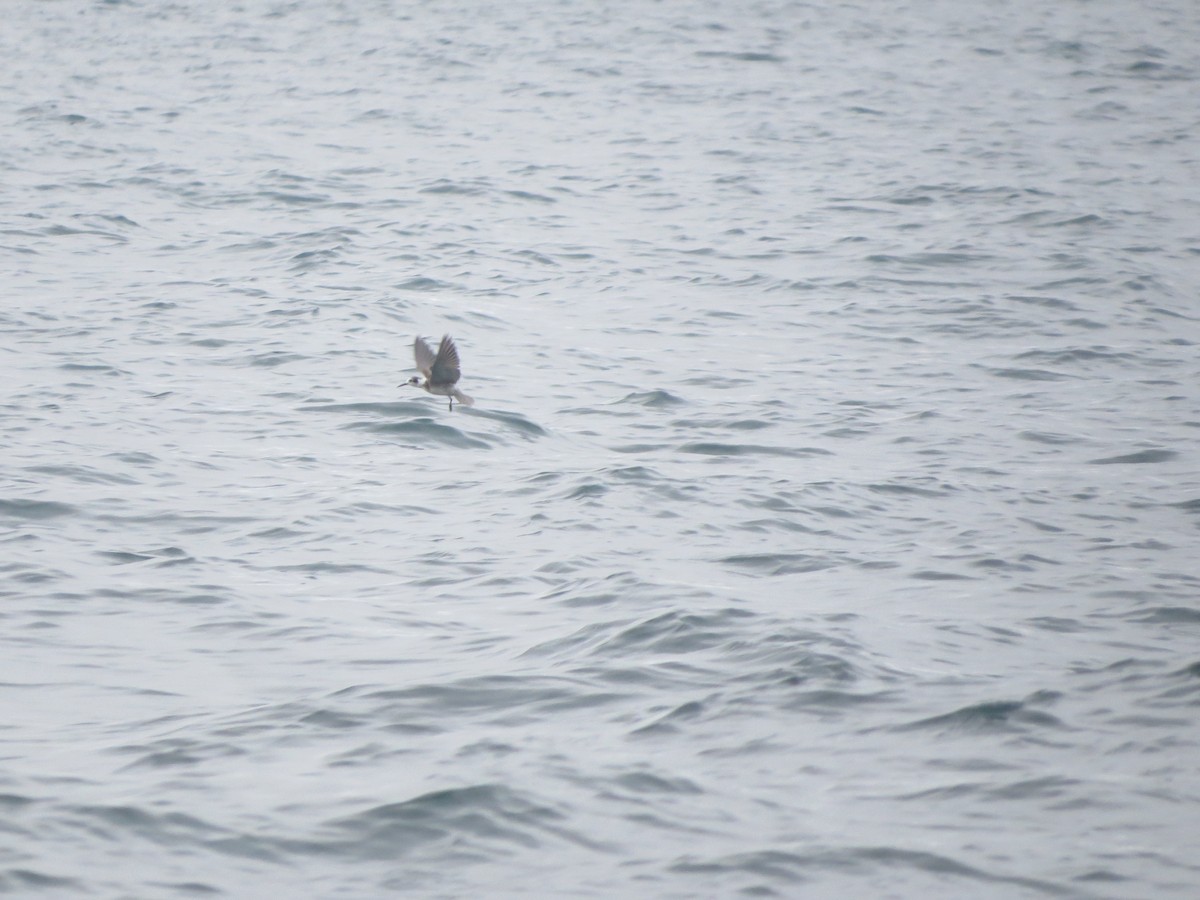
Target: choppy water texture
{"type": "Point", "coordinates": [826, 525]}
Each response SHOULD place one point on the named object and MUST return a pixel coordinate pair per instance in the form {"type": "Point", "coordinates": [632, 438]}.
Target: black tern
{"type": "Point", "coordinates": [441, 371]}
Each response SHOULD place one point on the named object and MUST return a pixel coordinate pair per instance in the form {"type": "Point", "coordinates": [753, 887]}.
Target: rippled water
{"type": "Point", "coordinates": [826, 525]}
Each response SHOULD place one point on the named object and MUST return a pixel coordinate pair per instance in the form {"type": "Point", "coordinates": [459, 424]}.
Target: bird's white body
{"type": "Point", "coordinates": [441, 370]}
{"type": "Point", "coordinates": [444, 391]}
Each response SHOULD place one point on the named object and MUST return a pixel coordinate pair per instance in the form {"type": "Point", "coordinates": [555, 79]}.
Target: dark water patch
{"type": "Point", "coordinates": [35, 510]}
{"type": "Point", "coordinates": [592, 592]}
{"type": "Point", "coordinates": [174, 753]}
{"type": "Point", "coordinates": [586, 492]}
{"type": "Point", "coordinates": [1075, 282]}
{"type": "Point", "coordinates": [1029, 374]}
{"type": "Point", "coordinates": [174, 829]}
{"type": "Point", "coordinates": [15, 802]}
{"type": "Point", "coordinates": [1141, 457]}
{"type": "Point", "coordinates": [534, 256]}
{"type": "Point", "coordinates": [762, 526]}
{"type": "Point", "coordinates": [652, 399]}
{"type": "Point", "coordinates": [483, 821]}
{"type": "Point", "coordinates": [1088, 220]}
{"type": "Point", "coordinates": [461, 188]}
{"type": "Point", "coordinates": [713, 448]}
{"type": "Point", "coordinates": [68, 231]}
{"type": "Point", "coordinates": [387, 408]}
{"type": "Point", "coordinates": [913, 197]}
{"type": "Point", "coordinates": [187, 888]}
{"type": "Point", "coordinates": [257, 244]}
{"type": "Point", "coordinates": [279, 533]}
{"type": "Point", "coordinates": [514, 421]}
{"type": "Point", "coordinates": [1048, 788]}
{"type": "Point", "coordinates": [271, 359]}
{"type": "Point", "coordinates": [1167, 615]}
{"type": "Point", "coordinates": [996, 564]}
{"type": "Point", "coordinates": [98, 368]}
{"type": "Point", "coordinates": [780, 563]}
{"type": "Point", "coordinates": [1048, 437]}
{"type": "Point", "coordinates": [928, 489]}
{"type": "Point", "coordinates": [673, 632]}
{"type": "Point", "coordinates": [122, 558]}
{"type": "Point", "coordinates": [330, 568]}
{"type": "Point", "coordinates": [667, 724]}
{"type": "Point", "coordinates": [740, 55]}
{"type": "Point", "coordinates": [355, 512]}
{"type": "Point", "coordinates": [635, 474]}
{"type": "Point", "coordinates": [309, 260]}
{"type": "Point", "coordinates": [1046, 302]}
{"type": "Point", "coordinates": [163, 554]}
{"type": "Point", "coordinates": [1191, 506]}
{"type": "Point", "coordinates": [183, 523]}
{"type": "Point", "coordinates": [1076, 354]}
{"type": "Point", "coordinates": [789, 869]}
{"type": "Point", "coordinates": [424, 432]}
{"type": "Point", "coordinates": [530, 196]}
{"type": "Point", "coordinates": [1059, 624]}
{"type": "Point", "coordinates": [936, 575]}
{"type": "Point", "coordinates": [801, 653]}
{"type": "Point", "coordinates": [931, 260]}
{"type": "Point", "coordinates": [198, 595]}
{"type": "Point", "coordinates": [422, 284]}
{"type": "Point", "coordinates": [288, 198]}
{"type": "Point", "coordinates": [1012, 716]}
{"type": "Point", "coordinates": [500, 699]}
{"type": "Point", "coordinates": [735, 424]}
{"type": "Point", "coordinates": [647, 783]}
{"type": "Point", "coordinates": [1149, 70]}
{"type": "Point", "coordinates": [827, 701]}
{"type": "Point", "coordinates": [20, 881]}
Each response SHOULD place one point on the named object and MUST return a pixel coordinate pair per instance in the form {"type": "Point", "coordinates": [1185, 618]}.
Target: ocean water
{"type": "Point", "coordinates": [825, 526]}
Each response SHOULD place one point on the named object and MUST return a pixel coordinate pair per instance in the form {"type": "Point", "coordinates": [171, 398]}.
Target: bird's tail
{"type": "Point", "coordinates": [463, 398]}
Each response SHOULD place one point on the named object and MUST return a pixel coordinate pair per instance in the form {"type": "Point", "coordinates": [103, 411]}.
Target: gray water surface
{"type": "Point", "coordinates": [826, 524]}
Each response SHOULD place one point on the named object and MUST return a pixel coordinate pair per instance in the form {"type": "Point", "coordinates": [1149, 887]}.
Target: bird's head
{"type": "Point", "coordinates": [415, 381]}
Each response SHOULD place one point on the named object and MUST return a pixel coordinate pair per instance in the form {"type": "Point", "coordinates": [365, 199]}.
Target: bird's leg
{"type": "Point", "coordinates": [451, 404]}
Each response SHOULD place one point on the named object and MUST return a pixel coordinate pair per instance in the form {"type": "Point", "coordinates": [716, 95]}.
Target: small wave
{"type": "Point", "coordinates": [532, 197]}
{"type": "Point", "coordinates": [999, 715]}
{"type": "Point", "coordinates": [484, 820]}
{"type": "Point", "coordinates": [653, 399]}
{"type": "Point", "coordinates": [426, 432]}
{"type": "Point", "coordinates": [1141, 457]}
{"type": "Point", "coordinates": [445, 186]}
{"type": "Point", "coordinates": [740, 55]}
{"type": "Point", "coordinates": [1029, 374]}
{"type": "Point", "coordinates": [1047, 437]}
{"type": "Point", "coordinates": [514, 420]}
{"type": "Point", "coordinates": [713, 448]}
{"type": "Point", "coordinates": [423, 284]}
{"type": "Point", "coordinates": [35, 509]}
{"type": "Point", "coordinates": [20, 881]}
{"type": "Point", "coordinates": [780, 563]}
{"type": "Point", "coordinates": [82, 474]}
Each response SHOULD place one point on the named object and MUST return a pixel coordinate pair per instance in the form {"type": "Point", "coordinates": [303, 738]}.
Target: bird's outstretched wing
{"type": "Point", "coordinates": [424, 356]}
{"type": "Point", "coordinates": [445, 366]}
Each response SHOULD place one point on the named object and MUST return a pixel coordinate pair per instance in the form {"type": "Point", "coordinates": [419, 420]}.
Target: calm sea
{"type": "Point", "coordinates": [825, 526]}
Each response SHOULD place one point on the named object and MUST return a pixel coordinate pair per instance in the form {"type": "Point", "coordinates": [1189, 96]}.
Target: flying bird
{"type": "Point", "coordinates": [441, 371]}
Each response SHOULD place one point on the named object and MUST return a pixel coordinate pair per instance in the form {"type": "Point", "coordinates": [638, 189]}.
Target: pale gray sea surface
{"type": "Point", "coordinates": [826, 524]}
